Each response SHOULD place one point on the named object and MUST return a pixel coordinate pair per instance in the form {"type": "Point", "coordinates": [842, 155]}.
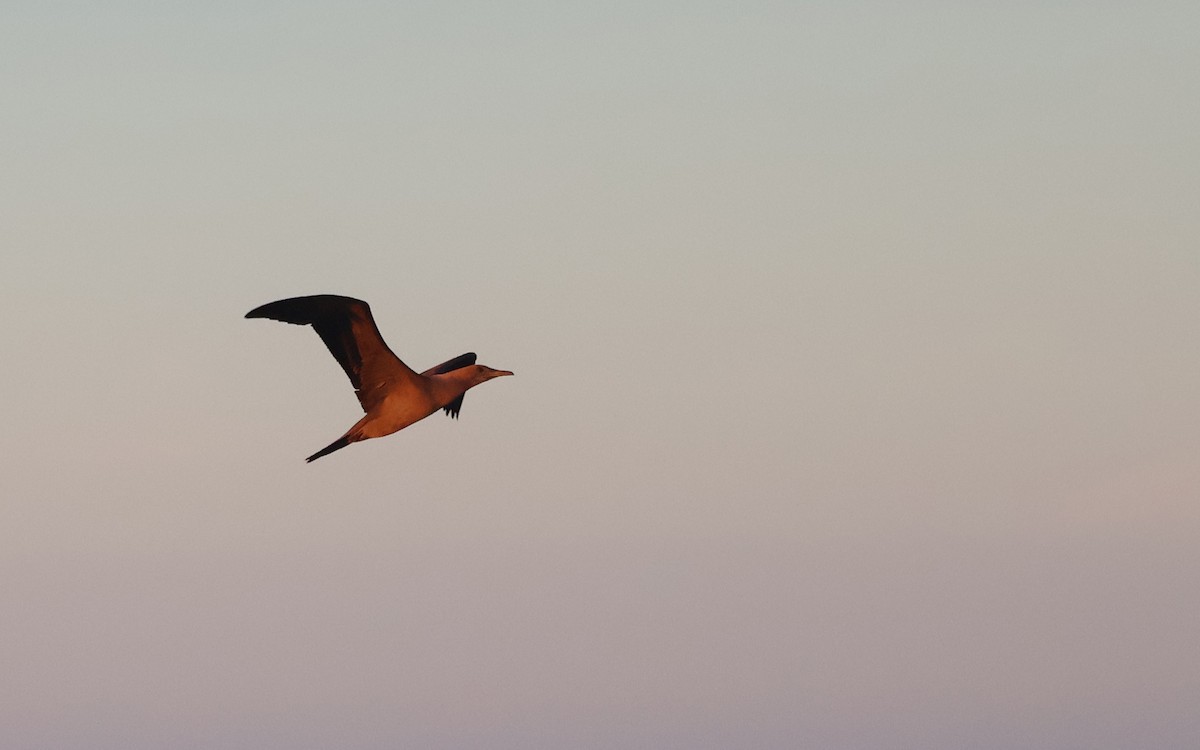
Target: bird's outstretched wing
{"type": "Point", "coordinates": [462, 360]}
{"type": "Point", "coordinates": [346, 326]}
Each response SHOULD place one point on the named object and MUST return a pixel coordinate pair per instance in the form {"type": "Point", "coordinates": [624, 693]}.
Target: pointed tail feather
{"type": "Point", "coordinates": [338, 444]}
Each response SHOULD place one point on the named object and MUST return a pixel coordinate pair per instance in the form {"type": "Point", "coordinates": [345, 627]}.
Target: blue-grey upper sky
{"type": "Point", "coordinates": [857, 346]}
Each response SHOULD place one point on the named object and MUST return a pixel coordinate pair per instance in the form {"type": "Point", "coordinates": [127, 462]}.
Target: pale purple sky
{"type": "Point", "coordinates": [857, 351]}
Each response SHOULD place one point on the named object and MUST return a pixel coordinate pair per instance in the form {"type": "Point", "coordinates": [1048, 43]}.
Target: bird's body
{"type": "Point", "coordinates": [391, 393]}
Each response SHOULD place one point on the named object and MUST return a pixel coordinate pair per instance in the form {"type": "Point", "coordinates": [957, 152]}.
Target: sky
{"type": "Point", "coordinates": [856, 350]}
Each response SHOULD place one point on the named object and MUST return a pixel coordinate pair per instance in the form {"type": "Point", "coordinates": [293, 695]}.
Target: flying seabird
{"type": "Point", "coordinates": [391, 393]}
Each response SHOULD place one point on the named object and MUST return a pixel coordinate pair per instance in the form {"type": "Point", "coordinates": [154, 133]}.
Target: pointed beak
{"type": "Point", "coordinates": [503, 372]}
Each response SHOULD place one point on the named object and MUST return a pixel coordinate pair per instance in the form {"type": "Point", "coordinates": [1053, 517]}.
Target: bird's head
{"type": "Point", "coordinates": [483, 373]}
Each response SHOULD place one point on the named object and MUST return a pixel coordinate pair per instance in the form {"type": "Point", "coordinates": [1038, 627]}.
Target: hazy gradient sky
{"type": "Point", "coordinates": [857, 350]}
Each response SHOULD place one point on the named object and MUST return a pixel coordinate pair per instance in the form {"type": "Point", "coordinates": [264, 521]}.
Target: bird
{"type": "Point", "coordinates": [393, 395]}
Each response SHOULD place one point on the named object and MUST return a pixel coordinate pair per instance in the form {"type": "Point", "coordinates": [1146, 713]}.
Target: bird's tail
{"type": "Point", "coordinates": [338, 444]}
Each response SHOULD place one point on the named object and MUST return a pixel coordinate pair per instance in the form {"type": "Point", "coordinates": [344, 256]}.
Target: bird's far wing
{"type": "Point", "coordinates": [462, 360]}
{"type": "Point", "coordinates": [346, 326]}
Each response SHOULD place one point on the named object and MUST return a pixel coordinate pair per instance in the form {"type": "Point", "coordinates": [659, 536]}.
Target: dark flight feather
{"type": "Point", "coordinates": [462, 360]}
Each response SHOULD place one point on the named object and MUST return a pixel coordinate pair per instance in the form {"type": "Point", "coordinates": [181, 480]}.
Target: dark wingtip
{"type": "Point", "coordinates": [308, 310]}
{"type": "Point", "coordinates": [258, 311]}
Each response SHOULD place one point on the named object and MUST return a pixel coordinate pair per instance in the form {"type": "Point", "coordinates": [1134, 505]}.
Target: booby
{"type": "Point", "coordinates": [391, 393]}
